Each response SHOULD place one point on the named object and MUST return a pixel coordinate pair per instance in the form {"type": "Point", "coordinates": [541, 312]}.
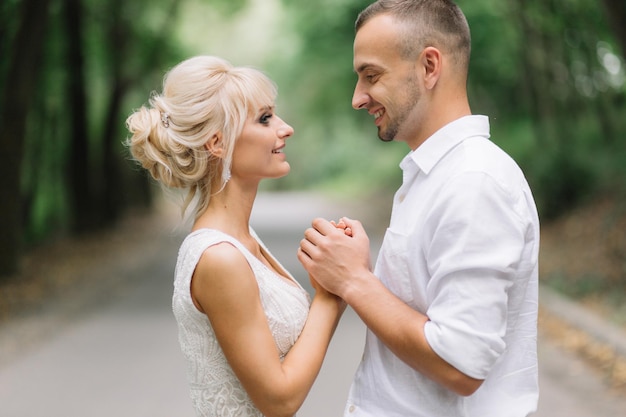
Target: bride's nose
{"type": "Point", "coordinates": [285, 131]}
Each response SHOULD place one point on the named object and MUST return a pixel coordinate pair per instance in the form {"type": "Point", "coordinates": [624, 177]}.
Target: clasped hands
{"type": "Point", "coordinates": [334, 253]}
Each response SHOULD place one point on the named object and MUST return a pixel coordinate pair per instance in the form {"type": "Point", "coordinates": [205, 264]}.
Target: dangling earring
{"type": "Point", "coordinates": [225, 178]}
{"type": "Point", "coordinates": [225, 174]}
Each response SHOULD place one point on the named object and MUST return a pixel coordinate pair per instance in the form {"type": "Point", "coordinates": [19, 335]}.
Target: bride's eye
{"type": "Point", "coordinates": [265, 119]}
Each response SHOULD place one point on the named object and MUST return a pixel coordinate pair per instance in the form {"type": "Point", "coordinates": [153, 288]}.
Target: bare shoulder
{"type": "Point", "coordinates": [221, 258]}
{"type": "Point", "coordinates": [222, 273]}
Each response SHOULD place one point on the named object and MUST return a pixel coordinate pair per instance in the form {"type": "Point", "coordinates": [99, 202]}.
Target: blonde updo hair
{"type": "Point", "coordinates": [202, 96]}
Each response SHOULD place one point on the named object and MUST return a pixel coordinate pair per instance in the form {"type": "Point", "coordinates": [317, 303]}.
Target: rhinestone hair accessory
{"type": "Point", "coordinates": [165, 119]}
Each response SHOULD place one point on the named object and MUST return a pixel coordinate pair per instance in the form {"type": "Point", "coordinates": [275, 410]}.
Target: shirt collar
{"type": "Point", "coordinates": [429, 153]}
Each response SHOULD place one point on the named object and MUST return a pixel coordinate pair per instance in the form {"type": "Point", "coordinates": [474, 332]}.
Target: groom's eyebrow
{"type": "Point", "coordinates": [365, 66]}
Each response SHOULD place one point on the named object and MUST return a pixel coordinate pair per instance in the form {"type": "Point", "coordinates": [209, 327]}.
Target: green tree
{"type": "Point", "coordinates": [572, 99]}
{"type": "Point", "coordinates": [547, 72]}
{"type": "Point", "coordinates": [69, 74]}
{"type": "Point", "coordinates": [550, 73]}
{"type": "Point", "coordinates": [19, 86]}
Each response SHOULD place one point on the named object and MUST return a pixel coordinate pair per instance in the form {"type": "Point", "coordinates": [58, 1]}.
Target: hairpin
{"type": "Point", "coordinates": [165, 119]}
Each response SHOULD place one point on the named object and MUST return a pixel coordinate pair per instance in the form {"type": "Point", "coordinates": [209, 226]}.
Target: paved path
{"type": "Point", "coordinates": [113, 351]}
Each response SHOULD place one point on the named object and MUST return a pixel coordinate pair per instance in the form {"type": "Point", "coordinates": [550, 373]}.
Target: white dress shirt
{"type": "Point", "coordinates": [461, 248]}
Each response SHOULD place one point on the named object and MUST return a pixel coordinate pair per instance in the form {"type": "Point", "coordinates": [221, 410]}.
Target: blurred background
{"type": "Point", "coordinates": [550, 74]}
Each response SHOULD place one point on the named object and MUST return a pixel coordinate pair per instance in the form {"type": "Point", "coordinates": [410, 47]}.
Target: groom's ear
{"type": "Point", "coordinates": [431, 61]}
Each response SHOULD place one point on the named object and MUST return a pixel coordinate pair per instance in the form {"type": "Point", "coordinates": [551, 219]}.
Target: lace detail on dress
{"type": "Point", "coordinates": [215, 390]}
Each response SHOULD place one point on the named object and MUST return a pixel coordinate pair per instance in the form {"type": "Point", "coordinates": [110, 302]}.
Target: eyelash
{"type": "Point", "coordinates": [265, 119]}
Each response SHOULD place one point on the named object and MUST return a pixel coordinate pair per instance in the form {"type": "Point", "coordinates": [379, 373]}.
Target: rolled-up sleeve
{"type": "Point", "coordinates": [474, 242]}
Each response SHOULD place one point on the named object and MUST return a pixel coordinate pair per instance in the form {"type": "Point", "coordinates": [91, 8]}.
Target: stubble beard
{"type": "Point", "coordinates": [413, 96]}
{"type": "Point", "coordinates": [386, 135]}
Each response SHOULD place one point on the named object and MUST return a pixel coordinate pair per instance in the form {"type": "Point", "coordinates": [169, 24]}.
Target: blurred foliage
{"type": "Point", "coordinates": [549, 73]}
{"type": "Point", "coordinates": [63, 107]}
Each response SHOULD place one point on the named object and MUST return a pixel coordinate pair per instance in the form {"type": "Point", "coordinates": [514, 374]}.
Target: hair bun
{"type": "Point", "coordinates": [149, 144]}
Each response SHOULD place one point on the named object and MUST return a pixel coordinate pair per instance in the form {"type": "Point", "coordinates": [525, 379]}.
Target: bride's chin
{"type": "Point", "coordinates": [284, 172]}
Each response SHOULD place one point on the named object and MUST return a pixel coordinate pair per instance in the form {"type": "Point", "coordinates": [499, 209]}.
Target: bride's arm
{"type": "Point", "coordinates": [224, 287]}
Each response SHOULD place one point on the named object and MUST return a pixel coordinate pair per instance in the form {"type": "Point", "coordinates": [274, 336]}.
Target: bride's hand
{"type": "Point", "coordinates": [323, 293]}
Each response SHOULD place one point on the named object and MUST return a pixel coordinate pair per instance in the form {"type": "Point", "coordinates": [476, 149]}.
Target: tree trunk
{"type": "Point", "coordinates": [138, 191]}
{"type": "Point", "coordinates": [533, 61]}
{"type": "Point", "coordinates": [616, 14]}
{"type": "Point", "coordinates": [22, 77]}
{"type": "Point", "coordinates": [117, 48]}
{"type": "Point", "coordinates": [78, 169]}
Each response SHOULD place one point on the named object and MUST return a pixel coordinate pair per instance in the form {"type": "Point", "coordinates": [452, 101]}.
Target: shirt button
{"type": "Point", "coordinates": [351, 409]}
{"type": "Point", "coordinates": [401, 198]}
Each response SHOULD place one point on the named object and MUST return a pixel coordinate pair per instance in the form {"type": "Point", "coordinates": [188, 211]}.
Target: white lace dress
{"type": "Point", "coordinates": [215, 390]}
